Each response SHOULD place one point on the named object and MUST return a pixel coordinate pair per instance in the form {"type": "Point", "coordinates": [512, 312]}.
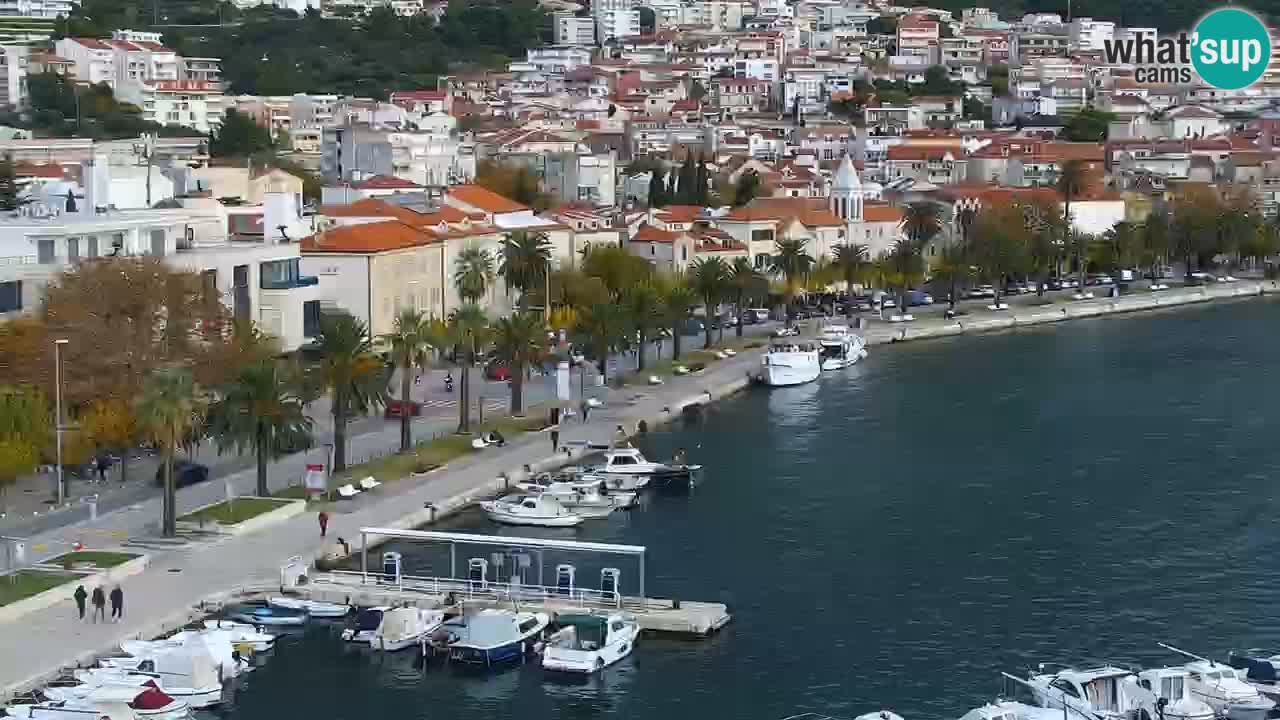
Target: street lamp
{"type": "Point", "coordinates": [57, 393]}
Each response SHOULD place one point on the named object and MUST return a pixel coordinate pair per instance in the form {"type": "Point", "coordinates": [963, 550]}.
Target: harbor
{"type": "Point", "coordinates": [912, 590]}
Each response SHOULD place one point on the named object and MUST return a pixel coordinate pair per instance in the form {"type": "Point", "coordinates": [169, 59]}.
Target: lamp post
{"type": "Point", "coordinates": [57, 394]}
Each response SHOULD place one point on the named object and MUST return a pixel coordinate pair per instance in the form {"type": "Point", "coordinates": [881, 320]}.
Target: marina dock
{"type": "Point", "coordinates": [482, 585]}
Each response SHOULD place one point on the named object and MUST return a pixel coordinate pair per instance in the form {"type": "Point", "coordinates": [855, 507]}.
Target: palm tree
{"type": "Point", "coordinates": [792, 262]}
{"type": "Point", "coordinates": [411, 339]}
{"type": "Point", "coordinates": [710, 281]}
{"type": "Point", "coordinates": [746, 282]}
{"type": "Point", "coordinates": [526, 260]}
{"type": "Point", "coordinates": [600, 328]}
{"type": "Point", "coordinates": [168, 411]}
{"type": "Point", "coordinates": [519, 342]}
{"type": "Point", "coordinates": [852, 260]}
{"type": "Point", "coordinates": [1070, 182]}
{"type": "Point", "coordinates": [473, 273]}
{"type": "Point", "coordinates": [643, 305]}
{"type": "Point", "coordinates": [1078, 246]}
{"type": "Point", "coordinates": [354, 377]}
{"type": "Point", "coordinates": [469, 329]}
{"type": "Point", "coordinates": [953, 266]}
{"type": "Point", "coordinates": [678, 300]}
{"type": "Point", "coordinates": [921, 222]}
{"type": "Point", "coordinates": [262, 408]}
{"type": "Point", "coordinates": [906, 264]}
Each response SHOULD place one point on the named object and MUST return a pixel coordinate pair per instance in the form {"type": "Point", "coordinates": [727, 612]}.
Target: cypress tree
{"type": "Point", "coordinates": [656, 188]}
{"type": "Point", "coordinates": [8, 184]}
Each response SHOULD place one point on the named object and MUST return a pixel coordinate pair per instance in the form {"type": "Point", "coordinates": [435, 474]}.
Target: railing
{"type": "Point", "coordinates": [291, 283]}
{"type": "Point", "coordinates": [464, 589]}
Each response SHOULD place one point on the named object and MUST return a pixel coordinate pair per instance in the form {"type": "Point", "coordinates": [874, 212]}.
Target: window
{"type": "Point", "coordinates": [117, 244]}
{"type": "Point", "coordinates": [44, 252]}
{"type": "Point", "coordinates": [10, 296]}
{"type": "Point", "coordinates": [73, 250]}
{"type": "Point", "coordinates": [1065, 687]}
{"type": "Point", "coordinates": [653, 249]}
{"type": "Point", "coordinates": [280, 274]}
{"type": "Point", "coordinates": [684, 253]}
{"type": "Point", "coordinates": [1171, 688]}
{"type": "Point", "coordinates": [762, 235]}
{"type": "Point", "coordinates": [311, 318]}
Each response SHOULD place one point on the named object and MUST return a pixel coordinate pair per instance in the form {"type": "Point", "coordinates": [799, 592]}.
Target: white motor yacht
{"type": "Point", "coordinates": [1262, 672]}
{"type": "Point", "coordinates": [143, 697]}
{"type": "Point", "coordinates": [405, 627]}
{"type": "Point", "coordinates": [589, 643]}
{"type": "Point", "coordinates": [366, 623]}
{"type": "Point", "coordinates": [314, 608]}
{"type": "Point", "coordinates": [189, 673]}
{"type": "Point", "coordinates": [1104, 693]}
{"type": "Point", "coordinates": [1171, 684]}
{"type": "Point", "coordinates": [628, 469]}
{"type": "Point", "coordinates": [790, 363]}
{"type": "Point", "coordinates": [1011, 710]}
{"type": "Point", "coordinates": [537, 510]}
{"type": "Point", "coordinates": [494, 636]}
{"type": "Point", "coordinates": [586, 495]}
{"type": "Point", "coordinates": [112, 705]}
{"type": "Point", "coordinates": [1218, 685]}
{"type": "Point", "coordinates": [840, 347]}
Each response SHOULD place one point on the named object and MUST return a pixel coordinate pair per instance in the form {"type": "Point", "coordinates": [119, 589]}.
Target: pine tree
{"type": "Point", "coordinates": [8, 184]}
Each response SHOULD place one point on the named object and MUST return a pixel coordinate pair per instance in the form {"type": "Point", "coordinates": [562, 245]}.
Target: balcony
{"type": "Point", "coordinates": [300, 281]}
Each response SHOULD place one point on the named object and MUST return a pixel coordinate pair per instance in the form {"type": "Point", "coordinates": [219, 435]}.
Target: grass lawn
{"type": "Point", "coordinates": [95, 557]}
{"type": "Point", "coordinates": [25, 583]}
{"type": "Point", "coordinates": [235, 512]}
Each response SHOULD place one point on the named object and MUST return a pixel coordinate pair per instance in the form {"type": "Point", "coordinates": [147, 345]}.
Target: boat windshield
{"type": "Point", "coordinates": [589, 629]}
{"type": "Point", "coordinates": [368, 619]}
{"type": "Point", "coordinates": [833, 351]}
{"type": "Point", "coordinates": [1171, 687]}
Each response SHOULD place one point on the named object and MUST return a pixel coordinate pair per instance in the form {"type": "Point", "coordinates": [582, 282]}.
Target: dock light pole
{"type": "Point", "coordinates": [57, 394]}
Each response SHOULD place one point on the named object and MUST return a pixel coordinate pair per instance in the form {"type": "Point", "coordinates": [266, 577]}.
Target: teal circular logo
{"type": "Point", "coordinates": [1230, 48]}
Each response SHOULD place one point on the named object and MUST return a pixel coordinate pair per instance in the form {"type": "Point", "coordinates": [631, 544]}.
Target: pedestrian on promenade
{"type": "Point", "coordinates": [102, 469]}
{"type": "Point", "coordinates": [324, 523]}
{"type": "Point", "coordinates": [80, 596]}
{"type": "Point", "coordinates": [585, 407]}
{"type": "Point", "coordinates": [117, 604]}
{"type": "Point", "coordinates": [99, 604]}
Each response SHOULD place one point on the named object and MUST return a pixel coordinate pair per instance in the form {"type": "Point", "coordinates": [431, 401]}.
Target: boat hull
{"type": "Point", "coordinates": [312, 608]}
{"type": "Point", "coordinates": [786, 369]}
{"type": "Point", "coordinates": [271, 619]}
{"type": "Point", "coordinates": [498, 515]}
{"type": "Point", "coordinates": [586, 662]}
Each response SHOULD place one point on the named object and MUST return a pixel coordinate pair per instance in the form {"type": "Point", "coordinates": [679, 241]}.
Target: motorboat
{"type": "Point", "coordinates": [589, 643]}
{"type": "Point", "coordinates": [1172, 688]}
{"type": "Point", "coordinates": [243, 634]}
{"type": "Point", "coordinates": [313, 608]}
{"type": "Point", "coordinates": [215, 643]}
{"type": "Point", "coordinates": [113, 705]}
{"type": "Point", "coordinates": [270, 616]}
{"type": "Point", "coordinates": [790, 363]}
{"type": "Point", "coordinates": [624, 468]}
{"type": "Point", "coordinates": [585, 495]}
{"type": "Point", "coordinates": [143, 697]}
{"type": "Point", "coordinates": [493, 636]}
{"type": "Point", "coordinates": [365, 624]}
{"type": "Point", "coordinates": [1218, 685]}
{"type": "Point", "coordinates": [1100, 693]}
{"type": "Point", "coordinates": [405, 627]}
{"type": "Point", "coordinates": [840, 347]}
{"type": "Point", "coordinates": [1011, 710]}
{"type": "Point", "coordinates": [537, 510]}
{"type": "Point", "coordinates": [189, 673]}
{"type": "Point", "coordinates": [1262, 672]}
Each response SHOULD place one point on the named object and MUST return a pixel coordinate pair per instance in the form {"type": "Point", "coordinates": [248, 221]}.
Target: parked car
{"type": "Point", "coordinates": [185, 473]}
{"type": "Point", "coordinates": [760, 314]}
{"type": "Point", "coordinates": [1099, 279]}
{"type": "Point", "coordinates": [693, 326]}
{"type": "Point", "coordinates": [982, 291]}
{"type": "Point", "coordinates": [916, 298]}
{"type": "Point", "coordinates": [396, 407]}
{"type": "Point", "coordinates": [786, 332]}
{"type": "Point", "coordinates": [1203, 277]}
{"type": "Point", "coordinates": [497, 371]}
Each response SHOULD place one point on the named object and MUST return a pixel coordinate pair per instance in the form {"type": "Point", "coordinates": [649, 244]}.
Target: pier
{"type": "Point", "coordinates": [524, 583]}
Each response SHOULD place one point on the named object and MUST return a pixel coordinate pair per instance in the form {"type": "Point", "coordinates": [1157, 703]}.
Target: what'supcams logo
{"type": "Point", "coordinates": [1229, 49]}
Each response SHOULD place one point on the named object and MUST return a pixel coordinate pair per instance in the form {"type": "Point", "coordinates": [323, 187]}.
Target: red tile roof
{"type": "Point", "coordinates": [92, 43]}
{"type": "Point", "coordinates": [373, 207]}
{"type": "Point", "coordinates": [651, 234]}
{"type": "Point", "coordinates": [368, 238]}
{"type": "Point", "coordinates": [680, 213]}
{"type": "Point", "coordinates": [874, 212]}
{"type": "Point", "coordinates": [385, 182]}
{"type": "Point", "coordinates": [484, 199]}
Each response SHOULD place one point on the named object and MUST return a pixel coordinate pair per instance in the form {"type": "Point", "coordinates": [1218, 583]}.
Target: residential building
{"type": "Point", "coordinates": [669, 251]}
{"type": "Point", "coordinates": [1088, 34]}
{"type": "Point", "coordinates": [572, 30]}
{"type": "Point", "coordinates": [187, 103]}
{"type": "Point", "coordinates": [36, 8]}
{"type": "Point", "coordinates": [351, 153]}
{"type": "Point", "coordinates": [918, 35]}
{"type": "Point", "coordinates": [14, 66]}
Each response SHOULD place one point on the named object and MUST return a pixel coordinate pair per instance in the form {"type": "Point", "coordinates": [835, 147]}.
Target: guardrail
{"type": "Point", "coordinates": [465, 589]}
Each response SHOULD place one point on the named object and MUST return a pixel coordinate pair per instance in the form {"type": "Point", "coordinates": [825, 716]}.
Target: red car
{"type": "Point", "coordinates": [497, 371]}
{"type": "Point", "coordinates": [395, 408]}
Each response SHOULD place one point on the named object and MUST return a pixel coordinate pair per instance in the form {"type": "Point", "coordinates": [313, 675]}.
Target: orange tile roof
{"type": "Point", "coordinates": [649, 233]}
{"type": "Point", "coordinates": [385, 182]}
{"type": "Point", "coordinates": [373, 207]}
{"type": "Point", "coordinates": [368, 238]}
{"type": "Point", "coordinates": [485, 199]}
{"type": "Point", "coordinates": [29, 169]}
{"type": "Point", "coordinates": [754, 214]}
{"type": "Point", "coordinates": [872, 212]}
{"type": "Point", "coordinates": [820, 218]}
{"type": "Point", "coordinates": [680, 213]}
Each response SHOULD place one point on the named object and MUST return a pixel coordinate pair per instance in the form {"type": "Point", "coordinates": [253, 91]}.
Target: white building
{"type": "Point", "coordinates": [571, 30]}
{"type": "Point", "coordinates": [188, 103]}
{"type": "Point", "coordinates": [36, 8]}
{"type": "Point", "coordinates": [95, 60]}
{"type": "Point", "coordinates": [617, 24]}
{"type": "Point", "coordinates": [13, 74]}
{"type": "Point", "coordinates": [1089, 34]}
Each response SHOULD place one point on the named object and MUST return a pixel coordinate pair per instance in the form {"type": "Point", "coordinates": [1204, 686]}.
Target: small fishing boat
{"type": "Point", "coordinates": [189, 673]}
{"type": "Point", "coordinates": [840, 347]}
{"type": "Point", "coordinates": [243, 633]}
{"type": "Point", "coordinates": [1172, 687]}
{"type": "Point", "coordinates": [111, 704]}
{"type": "Point", "coordinates": [270, 616]}
{"type": "Point", "coordinates": [587, 644]}
{"type": "Point", "coordinates": [493, 636]}
{"type": "Point", "coordinates": [627, 469]}
{"type": "Point", "coordinates": [405, 627]}
{"type": "Point", "coordinates": [585, 495]}
{"type": "Point", "coordinates": [790, 363]}
{"type": "Point", "coordinates": [536, 510]}
{"type": "Point", "coordinates": [143, 697]}
{"type": "Point", "coordinates": [365, 624]}
{"type": "Point", "coordinates": [314, 608]}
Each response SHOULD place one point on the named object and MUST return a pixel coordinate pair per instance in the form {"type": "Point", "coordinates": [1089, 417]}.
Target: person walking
{"type": "Point", "coordinates": [585, 407]}
{"type": "Point", "coordinates": [117, 604]}
{"type": "Point", "coordinates": [324, 523]}
{"type": "Point", "coordinates": [80, 596]}
{"type": "Point", "coordinates": [99, 604]}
